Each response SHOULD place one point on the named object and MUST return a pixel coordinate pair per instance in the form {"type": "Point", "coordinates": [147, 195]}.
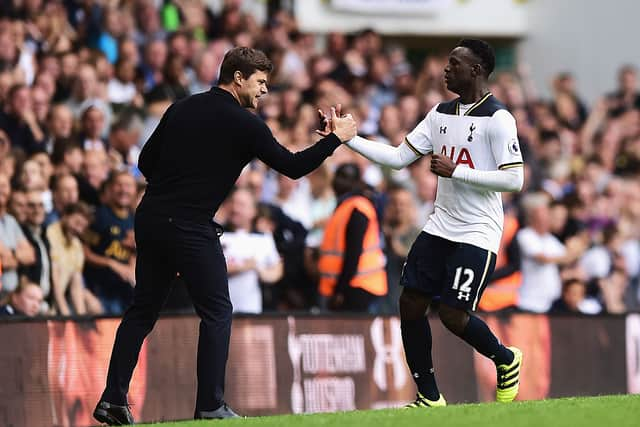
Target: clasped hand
{"type": "Point", "coordinates": [343, 126]}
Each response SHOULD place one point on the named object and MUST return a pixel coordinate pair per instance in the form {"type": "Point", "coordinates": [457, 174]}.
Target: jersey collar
{"type": "Point", "coordinates": [474, 106]}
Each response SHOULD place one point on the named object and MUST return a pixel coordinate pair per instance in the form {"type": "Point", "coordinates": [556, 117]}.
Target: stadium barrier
{"type": "Point", "coordinates": [52, 371]}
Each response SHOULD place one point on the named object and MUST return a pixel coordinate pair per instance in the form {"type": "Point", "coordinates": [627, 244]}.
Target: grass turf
{"type": "Point", "coordinates": [603, 411]}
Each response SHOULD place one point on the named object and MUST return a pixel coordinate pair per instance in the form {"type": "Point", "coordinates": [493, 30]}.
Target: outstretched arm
{"type": "Point", "coordinates": [296, 165]}
{"type": "Point", "coordinates": [395, 157]}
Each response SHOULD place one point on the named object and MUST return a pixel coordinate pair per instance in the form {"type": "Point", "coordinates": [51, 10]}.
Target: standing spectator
{"type": "Point", "coordinates": [40, 271]}
{"type": "Point", "coordinates": [67, 261]}
{"type": "Point", "coordinates": [351, 264]}
{"type": "Point", "coordinates": [627, 96]}
{"type": "Point", "coordinates": [251, 258]}
{"type": "Point", "coordinates": [400, 231]}
{"type": "Point", "coordinates": [294, 197]}
{"type": "Point", "coordinates": [15, 250]}
{"type": "Point", "coordinates": [25, 300]}
{"type": "Point", "coordinates": [542, 255]}
{"type": "Point", "coordinates": [110, 248]}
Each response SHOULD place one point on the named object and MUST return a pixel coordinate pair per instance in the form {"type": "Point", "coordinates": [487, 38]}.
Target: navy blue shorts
{"type": "Point", "coordinates": [456, 273]}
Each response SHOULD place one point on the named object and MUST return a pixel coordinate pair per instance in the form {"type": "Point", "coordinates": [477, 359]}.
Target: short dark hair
{"type": "Point", "coordinates": [483, 50]}
{"type": "Point", "coordinates": [243, 59]}
{"type": "Point", "coordinates": [78, 208]}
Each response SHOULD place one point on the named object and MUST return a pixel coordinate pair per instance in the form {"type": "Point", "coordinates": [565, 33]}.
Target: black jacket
{"type": "Point", "coordinates": [202, 143]}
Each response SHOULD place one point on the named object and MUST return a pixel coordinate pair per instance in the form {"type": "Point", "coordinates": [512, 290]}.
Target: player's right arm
{"type": "Point", "coordinates": [416, 144]}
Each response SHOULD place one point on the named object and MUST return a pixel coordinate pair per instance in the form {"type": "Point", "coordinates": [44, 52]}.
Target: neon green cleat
{"type": "Point", "coordinates": [423, 402]}
{"type": "Point", "coordinates": [509, 378]}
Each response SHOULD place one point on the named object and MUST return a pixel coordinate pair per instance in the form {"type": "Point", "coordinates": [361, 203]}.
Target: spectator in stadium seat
{"type": "Point", "coordinates": [67, 260]}
{"type": "Point", "coordinates": [95, 171]}
{"type": "Point", "coordinates": [123, 142]}
{"type": "Point", "coordinates": [14, 248]}
{"type": "Point", "coordinates": [18, 205]}
{"type": "Point", "coordinates": [19, 121]}
{"type": "Point", "coordinates": [59, 126]}
{"type": "Point", "coordinates": [251, 258]}
{"type": "Point", "coordinates": [65, 192]}
{"type": "Point", "coordinates": [25, 300]}
{"type": "Point", "coordinates": [573, 299]}
{"type": "Point", "coordinates": [34, 230]}
{"type": "Point", "coordinates": [110, 247]}
{"type": "Point", "coordinates": [92, 128]}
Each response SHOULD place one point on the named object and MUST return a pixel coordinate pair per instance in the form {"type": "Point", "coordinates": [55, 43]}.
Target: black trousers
{"type": "Point", "coordinates": [167, 246]}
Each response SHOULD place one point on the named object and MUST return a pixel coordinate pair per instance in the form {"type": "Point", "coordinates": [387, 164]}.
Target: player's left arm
{"type": "Point", "coordinates": [503, 140]}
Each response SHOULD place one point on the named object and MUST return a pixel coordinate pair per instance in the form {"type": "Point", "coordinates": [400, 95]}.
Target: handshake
{"type": "Point", "coordinates": [343, 126]}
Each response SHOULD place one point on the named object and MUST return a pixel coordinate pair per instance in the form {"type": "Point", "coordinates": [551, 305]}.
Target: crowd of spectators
{"type": "Point", "coordinates": [84, 83]}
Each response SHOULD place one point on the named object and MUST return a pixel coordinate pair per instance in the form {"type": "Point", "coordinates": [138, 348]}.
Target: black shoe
{"type": "Point", "coordinates": [113, 415]}
{"type": "Point", "coordinates": [221, 413]}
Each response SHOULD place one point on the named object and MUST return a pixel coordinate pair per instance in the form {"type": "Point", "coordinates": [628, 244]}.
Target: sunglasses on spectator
{"type": "Point", "coordinates": [35, 205]}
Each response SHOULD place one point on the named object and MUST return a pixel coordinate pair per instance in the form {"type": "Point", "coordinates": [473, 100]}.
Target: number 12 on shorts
{"type": "Point", "coordinates": [464, 288]}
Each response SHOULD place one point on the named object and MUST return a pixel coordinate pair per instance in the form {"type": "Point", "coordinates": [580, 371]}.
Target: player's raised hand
{"type": "Point", "coordinates": [324, 124]}
{"type": "Point", "coordinates": [344, 126]}
{"type": "Point", "coordinates": [442, 165]}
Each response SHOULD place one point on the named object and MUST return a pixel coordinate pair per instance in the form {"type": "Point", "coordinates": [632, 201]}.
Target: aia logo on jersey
{"type": "Point", "coordinates": [463, 157]}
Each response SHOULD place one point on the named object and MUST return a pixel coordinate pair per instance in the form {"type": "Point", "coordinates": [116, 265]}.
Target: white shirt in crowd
{"type": "Point", "coordinates": [244, 288]}
{"type": "Point", "coordinates": [541, 283]}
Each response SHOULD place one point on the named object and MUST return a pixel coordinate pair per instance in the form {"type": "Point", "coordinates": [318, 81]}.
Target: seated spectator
{"type": "Point", "coordinates": [65, 192]}
{"type": "Point", "coordinates": [574, 299]}
{"type": "Point", "coordinates": [59, 126]}
{"type": "Point", "coordinates": [25, 300]}
{"type": "Point", "coordinates": [18, 205]}
{"type": "Point", "coordinates": [15, 250]}
{"type": "Point", "coordinates": [18, 120]}
{"type": "Point", "coordinates": [93, 125]}
{"type": "Point", "coordinates": [34, 230]}
{"type": "Point", "coordinates": [95, 171]}
{"type": "Point", "coordinates": [110, 247]}
{"type": "Point", "coordinates": [123, 143]}
{"type": "Point", "coordinates": [252, 258]}
{"type": "Point", "coordinates": [67, 260]}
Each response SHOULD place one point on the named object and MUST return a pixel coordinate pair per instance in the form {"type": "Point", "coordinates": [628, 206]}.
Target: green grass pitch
{"type": "Point", "coordinates": [604, 411]}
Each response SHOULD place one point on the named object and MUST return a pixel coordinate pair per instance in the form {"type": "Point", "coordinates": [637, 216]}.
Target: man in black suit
{"type": "Point", "coordinates": [191, 162]}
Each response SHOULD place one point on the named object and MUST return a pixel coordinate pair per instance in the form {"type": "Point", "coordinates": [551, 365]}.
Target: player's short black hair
{"type": "Point", "coordinates": [483, 50]}
{"type": "Point", "coordinates": [243, 59]}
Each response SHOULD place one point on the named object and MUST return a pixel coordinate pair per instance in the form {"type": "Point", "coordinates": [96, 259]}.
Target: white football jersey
{"type": "Point", "coordinates": [484, 137]}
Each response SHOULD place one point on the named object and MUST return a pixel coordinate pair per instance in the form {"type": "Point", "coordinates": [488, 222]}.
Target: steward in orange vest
{"type": "Point", "coordinates": [351, 263]}
{"type": "Point", "coordinates": [502, 291]}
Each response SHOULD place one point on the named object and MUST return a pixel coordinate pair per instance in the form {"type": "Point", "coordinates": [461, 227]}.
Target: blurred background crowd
{"type": "Point", "coordinates": [84, 83]}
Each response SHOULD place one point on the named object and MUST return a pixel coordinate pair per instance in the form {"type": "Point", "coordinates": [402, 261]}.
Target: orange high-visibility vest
{"type": "Point", "coordinates": [503, 293]}
{"type": "Point", "coordinates": [371, 275]}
